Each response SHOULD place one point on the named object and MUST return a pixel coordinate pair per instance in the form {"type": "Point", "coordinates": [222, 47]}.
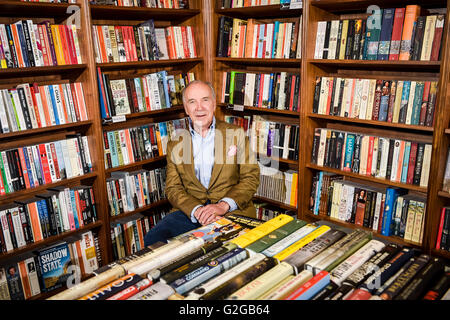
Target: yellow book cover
{"type": "Point", "coordinates": [57, 45]}
{"type": "Point", "coordinates": [261, 230]}
{"type": "Point", "coordinates": [301, 243]}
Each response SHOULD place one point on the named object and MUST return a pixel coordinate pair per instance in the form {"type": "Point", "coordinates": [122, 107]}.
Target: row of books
{"type": "Point", "coordinates": [274, 139]}
{"type": "Point", "coordinates": [278, 90]}
{"type": "Point", "coordinates": [388, 211]}
{"type": "Point", "coordinates": [32, 166]}
{"type": "Point", "coordinates": [57, 211]}
{"type": "Point", "coordinates": [54, 1]}
{"type": "Point", "coordinates": [392, 159]}
{"type": "Point", "coordinates": [27, 44]}
{"type": "Point", "coordinates": [265, 213]}
{"type": "Point", "coordinates": [227, 4]}
{"type": "Point", "coordinates": [162, 4]}
{"type": "Point", "coordinates": [281, 186]}
{"type": "Point", "coordinates": [388, 34]}
{"type": "Point", "coordinates": [136, 144]}
{"type": "Point", "coordinates": [128, 191]}
{"type": "Point", "coordinates": [235, 258]}
{"type": "Point", "coordinates": [40, 273]}
{"type": "Point", "coordinates": [128, 238]}
{"type": "Point", "coordinates": [250, 38]}
{"type": "Point", "coordinates": [443, 235]}
{"type": "Point", "coordinates": [143, 42]}
{"type": "Point", "coordinates": [29, 106]}
{"type": "Point", "coordinates": [148, 92]}
{"type": "Point", "coordinates": [395, 101]}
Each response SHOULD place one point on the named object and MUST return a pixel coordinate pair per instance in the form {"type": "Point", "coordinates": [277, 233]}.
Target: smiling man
{"type": "Point", "coordinates": [211, 170]}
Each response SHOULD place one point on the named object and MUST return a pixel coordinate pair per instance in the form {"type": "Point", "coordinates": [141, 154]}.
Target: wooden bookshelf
{"type": "Point", "coordinates": [151, 206]}
{"type": "Point", "coordinates": [314, 11]}
{"type": "Point", "coordinates": [94, 127]}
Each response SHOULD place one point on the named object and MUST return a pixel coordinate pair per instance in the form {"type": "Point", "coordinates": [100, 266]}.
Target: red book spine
{"type": "Point", "coordinates": [436, 46]}
{"type": "Point", "coordinates": [185, 42]}
{"type": "Point", "coordinates": [24, 169]}
{"type": "Point", "coordinates": [191, 31]}
{"type": "Point", "coordinates": [307, 285]}
{"type": "Point", "coordinates": [170, 42]}
{"type": "Point", "coordinates": [330, 90]}
{"type": "Point", "coordinates": [126, 43]}
{"type": "Point", "coordinates": [71, 43]}
{"type": "Point", "coordinates": [396, 36]}
{"type": "Point", "coordinates": [131, 291]}
{"type": "Point", "coordinates": [412, 163]}
{"type": "Point", "coordinates": [359, 294]}
{"type": "Point", "coordinates": [261, 87]}
{"type": "Point", "coordinates": [76, 105]}
{"type": "Point", "coordinates": [391, 101]}
{"type": "Point", "coordinates": [55, 160]}
{"type": "Point", "coordinates": [44, 164]}
{"type": "Point", "coordinates": [78, 205]}
{"type": "Point", "coordinates": [132, 43]}
{"type": "Point", "coordinates": [101, 44]}
{"type": "Point", "coordinates": [441, 226]}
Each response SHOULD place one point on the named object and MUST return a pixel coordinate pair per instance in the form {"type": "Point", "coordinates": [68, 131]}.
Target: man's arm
{"type": "Point", "coordinates": [175, 191]}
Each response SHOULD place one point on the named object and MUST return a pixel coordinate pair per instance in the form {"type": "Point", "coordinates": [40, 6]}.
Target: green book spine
{"type": "Point", "coordinates": [417, 102]}
{"type": "Point", "coordinates": [119, 149]}
{"type": "Point", "coordinates": [232, 75]}
{"type": "Point", "coordinates": [275, 236]}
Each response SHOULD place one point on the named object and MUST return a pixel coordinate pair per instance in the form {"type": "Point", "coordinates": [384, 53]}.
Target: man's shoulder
{"type": "Point", "coordinates": [222, 125]}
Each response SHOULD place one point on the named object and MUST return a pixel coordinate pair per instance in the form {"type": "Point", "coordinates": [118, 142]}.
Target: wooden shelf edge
{"type": "Point", "coordinates": [145, 114]}
{"type": "Point", "coordinates": [273, 10]}
{"type": "Point", "coordinates": [20, 134]}
{"type": "Point", "coordinates": [135, 164]}
{"type": "Point", "coordinates": [441, 253]}
{"type": "Point", "coordinates": [10, 197]}
{"type": "Point", "coordinates": [41, 70]}
{"type": "Point", "coordinates": [395, 239]}
{"type": "Point", "coordinates": [404, 64]}
{"type": "Point", "coordinates": [367, 178]}
{"type": "Point", "coordinates": [149, 63]}
{"type": "Point", "coordinates": [371, 122]}
{"type": "Point", "coordinates": [266, 61]}
{"type": "Point", "coordinates": [443, 194]}
{"type": "Point", "coordinates": [263, 110]}
{"type": "Point", "coordinates": [286, 161]}
{"type": "Point", "coordinates": [275, 203]}
{"type": "Point", "coordinates": [51, 239]}
{"type": "Point", "coordinates": [139, 210]}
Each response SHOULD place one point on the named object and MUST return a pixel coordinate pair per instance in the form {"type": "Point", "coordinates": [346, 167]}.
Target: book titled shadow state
{"type": "Point", "coordinates": [54, 265]}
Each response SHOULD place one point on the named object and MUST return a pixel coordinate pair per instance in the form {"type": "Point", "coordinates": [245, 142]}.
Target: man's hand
{"type": "Point", "coordinates": [211, 212]}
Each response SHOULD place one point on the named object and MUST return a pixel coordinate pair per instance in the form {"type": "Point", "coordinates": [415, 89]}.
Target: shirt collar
{"type": "Point", "coordinates": [211, 127]}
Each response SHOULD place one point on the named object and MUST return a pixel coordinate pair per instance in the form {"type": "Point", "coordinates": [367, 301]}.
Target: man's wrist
{"type": "Point", "coordinates": [224, 205]}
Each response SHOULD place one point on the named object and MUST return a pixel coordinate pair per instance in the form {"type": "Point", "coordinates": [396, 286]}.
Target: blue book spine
{"type": "Point", "coordinates": [166, 88]}
{"type": "Point", "coordinates": [418, 94]}
{"type": "Point", "coordinates": [113, 147]}
{"type": "Point", "coordinates": [22, 44]}
{"type": "Point", "coordinates": [276, 30]}
{"type": "Point", "coordinates": [391, 198]}
{"type": "Point", "coordinates": [74, 209]}
{"type": "Point", "coordinates": [384, 101]}
{"type": "Point", "coordinates": [374, 29]}
{"type": "Point", "coordinates": [404, 101]}
{"type": "Point", "coordinates": [269, 102]}
{"type": "Point", "coordinates": [314, 289]}
{"type": "Point", "coordinates": [318, 192]}
{"type": "Point", "coordinates": [348, 157]}
{"type": "Point", "coordinates": [53, 103]}
{"type": "Point", "coordinates": [385, 35]}
{"type": "Point", "coordinates": [101, 97]}
{"type": "Point", "coordinates": [261, 41]}
{"type": "Point", "coordinates": [27, 163]}
{"type": "Point", "coordinates": [61, 163]}
{"type": "Point", "coordinates": [43, 217]}
{"type": "Point", "coordinates": [405, 162]}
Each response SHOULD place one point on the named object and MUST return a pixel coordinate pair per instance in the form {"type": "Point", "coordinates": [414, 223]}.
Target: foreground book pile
{"type": "Point", "coordinates": [281, 259]}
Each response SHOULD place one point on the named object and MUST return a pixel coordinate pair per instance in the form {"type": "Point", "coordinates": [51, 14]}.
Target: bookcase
{"type": "Point", "coordinates": [84, 15]}
{"type": "Point", "coordinates": [263, 14]}
{"type": "Point", "coordinates": [203, 16]}
{"type": "Point", "coordinates": [315, 11]}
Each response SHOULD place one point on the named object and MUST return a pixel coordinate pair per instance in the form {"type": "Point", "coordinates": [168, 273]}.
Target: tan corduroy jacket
{"type": "Point", "coordinates": [235, 172]}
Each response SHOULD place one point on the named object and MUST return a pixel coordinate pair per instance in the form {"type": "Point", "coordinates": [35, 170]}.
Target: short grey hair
{"type": "Point", "coordinates": [198, 81]}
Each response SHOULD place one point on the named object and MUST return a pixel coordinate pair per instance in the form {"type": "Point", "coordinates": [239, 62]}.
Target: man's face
{"type": "Point", "coordinates": [199, 104]}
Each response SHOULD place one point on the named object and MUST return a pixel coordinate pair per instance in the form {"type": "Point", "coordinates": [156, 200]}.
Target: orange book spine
{"type": "Point", "coordinates": [184, 38]}
{"type": "Point", "coordinates": [65, 107]}
{"type": "Point", "coordinates": [411, 14]}
{"type": "Point", "coordinates": [129, 146]}
{"type": "Point", "coordinates": [24, 278]}
{"type": "Point", "coordinates": [79, 213]}
{"type": "Point", "coordinates": [35, 222]}
{"type": "Point", "coordinates": [170, 42]}
{"type": "Point", "coordinates": [140, 232]}
{"type": "Point", "coordinates": [64, 44]}
{"type": "Point", "coordinates": [101, 44]}
{"type": "Point", "coordinates": [242, 41]}
{"type": "Point", "coordinates": [57, 44]}
{"type": "Point", "coordinates": [370, 156]}
{"type": "Point", "coordinates": [77, 245]}
{"type": "Point", "coordinates": [80, 101]}
{"type": "Point", "coordinates": [158, 141]}
{"type": "Point", "coordinates": [401, 155]}
{"type": "Point", "coordinates": [249, 38]}
{"type": "Point", "coordinates": [45, 105]}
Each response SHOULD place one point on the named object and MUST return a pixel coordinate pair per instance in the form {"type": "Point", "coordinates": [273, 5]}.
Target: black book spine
{"type": "Point", "coordinates": [350, 35]}
{"type": "Point", "coordinates": [403, 218]}
{"type": "Point", "coordinates": [327, 40]}
{"type": "Point", "coordinates": [340, 141]}
{"type": "Point", "coordinates": [339, 38]}
{"type": "Point", "coordinates": [29, 47]}
{"type": "Point", "coordinates": [26, 224]}
{"type": "Point", "coordinates": [316, 95]}
{"type": "Point", "coordinates": [419, 163]}
{"type": "Point", "coordinates": [357, 39]}
{"type": "Point", "coordinates": [368, 208]}
{"type": "Point", "coordinates": [16, 157]}
{"type": "Point", "coordinates": [356, 153]}
{"type": "Point", "coordinates": [23, 105]}
{"type": "Point", "coordinates": [354, 204]}
{"type": "Point", "coordinates": [11, 229]}
{"type": "Point", "coordinates": [138, 44]}
{"type": "Point", "coordinates": [82, 153]}
{"type": "Point", "coordinates": [389, 158]}
{"type": "Point", "coordinates": [332, 92]}
{"type": "Point", "coordinates": [444, 245]}
{"type": "Point", "coordinates": [418, 38]}
{"type": "Point", "coordinates": [13, 62]}
{"type": "Point", "coordinates": [326, 292]}
{"type": "Point", "coordinates": [296, 92]}
{"type": "Point", "coordinates": [362, 40]}
{"type": "Point", "coordinates": [327, 150]}
{"type": "Point", "coordinates": [341, 93]}
{"type": "Point", "coordinates": [13, 171]}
